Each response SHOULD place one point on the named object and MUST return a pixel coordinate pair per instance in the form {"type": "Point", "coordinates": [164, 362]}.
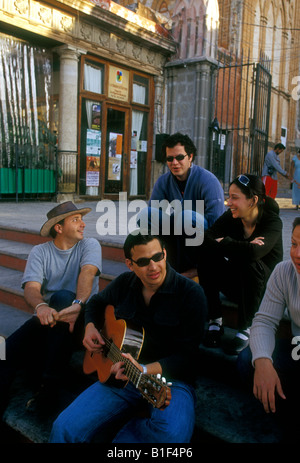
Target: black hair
{"type": "Point", "coordinates": [137, 238]}
{"type": "Point", "coordinates": [296, 223]}
{"type": "Point", "coordinates": [184, 140]}
{"type": "Point", "coordinates": [280, 146]}
{"type": "Point", "coordinates": [52, 231]}
{"type": "Point", "coordinates": [256, 187]}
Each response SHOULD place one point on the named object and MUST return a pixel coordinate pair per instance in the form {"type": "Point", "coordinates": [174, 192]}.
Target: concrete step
{"type": "Point", "coordinates": [11, 319]}
{"type": "Point", "coordinates": [12, 294]}
{"type": "Point", "coordinates": [110, 249]}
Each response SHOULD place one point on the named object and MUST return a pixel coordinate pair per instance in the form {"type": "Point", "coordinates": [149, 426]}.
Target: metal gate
{"type": "Point", "coordinates": [239, 132]}
{"type": "Point", "coordinates": [28, 153]}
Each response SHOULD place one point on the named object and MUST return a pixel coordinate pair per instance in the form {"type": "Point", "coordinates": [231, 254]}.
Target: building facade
{"type": "Point", "coordinates": [87, 73]}
{"type": "Point", "coordinates": [89, 88]}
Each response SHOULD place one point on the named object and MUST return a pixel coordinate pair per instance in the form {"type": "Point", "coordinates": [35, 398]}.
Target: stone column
{"type": "Point", "coordinates": [204, 110]}
{"type": "Point", "coordinates": [158, 104]}
{"type": "Point", "coordinates": [68, 123]}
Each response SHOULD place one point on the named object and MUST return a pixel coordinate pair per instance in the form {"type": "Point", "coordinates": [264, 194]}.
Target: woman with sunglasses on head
{"type": "Point", "coordinates": [237, 257]}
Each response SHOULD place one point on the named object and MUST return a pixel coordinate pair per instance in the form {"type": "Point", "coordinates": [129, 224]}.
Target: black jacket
{"type": "Point", "coordinates": [173, 321]}
{"type": "Point", "coordinates": [236, 247]}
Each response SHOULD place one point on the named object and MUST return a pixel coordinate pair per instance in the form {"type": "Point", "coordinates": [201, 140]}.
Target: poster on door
{"type": "Point", "coordinates": [93, 142]}
{"type": "Point", "coordinates": [93, 150]}
{"type": "Point", "coordinates": [115, 156]}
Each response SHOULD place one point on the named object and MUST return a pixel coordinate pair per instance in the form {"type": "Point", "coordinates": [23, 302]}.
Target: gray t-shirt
{"type": "Point", "coordinates": [57, 269]}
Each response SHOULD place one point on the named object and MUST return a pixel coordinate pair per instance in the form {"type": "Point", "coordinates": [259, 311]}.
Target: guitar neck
{"type": "Point", "coordinates": [115, 355]}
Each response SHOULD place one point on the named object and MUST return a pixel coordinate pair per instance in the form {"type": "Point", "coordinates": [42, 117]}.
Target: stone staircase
{"type": "Point", "coordinates": [15, 247]}
{"type": "Point", "coordinates": [225, 413]}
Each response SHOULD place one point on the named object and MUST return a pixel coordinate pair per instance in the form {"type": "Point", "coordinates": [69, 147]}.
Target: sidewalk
{"type": "Point", "coordinates": [29, 216]}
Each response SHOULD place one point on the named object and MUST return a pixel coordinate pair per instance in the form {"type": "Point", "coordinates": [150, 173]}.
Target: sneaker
{"type": "Point", "coordinates": [235, 345]}
{"type": "Point", "coordinates": [213, 336]}
{"type": "Point", "coordinates": [43, 402]}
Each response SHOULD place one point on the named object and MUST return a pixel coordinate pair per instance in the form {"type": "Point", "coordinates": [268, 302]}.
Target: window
{"type": "Point", "coordinates": [140, 90]}
{"type": "Point", "coordinates": [93, 77]}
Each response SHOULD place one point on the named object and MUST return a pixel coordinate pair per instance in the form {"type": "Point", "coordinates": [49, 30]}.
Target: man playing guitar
{"type": "Point", "coordinates": [169, 311]}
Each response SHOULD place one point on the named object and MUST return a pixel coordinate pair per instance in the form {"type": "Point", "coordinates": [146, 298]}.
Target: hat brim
{"type": "Point", "coordinates": [45, 230]}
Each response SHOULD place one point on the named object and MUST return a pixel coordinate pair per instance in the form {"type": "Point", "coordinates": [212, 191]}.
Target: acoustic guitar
{"type": "Point", "coordinates": [120, 337]}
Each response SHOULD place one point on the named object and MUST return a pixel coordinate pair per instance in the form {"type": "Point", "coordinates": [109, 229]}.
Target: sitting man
{"type": "Point", "coordinates": [198, 192]}
{"type": "Point", "coordinates": [59, 278]}
{"type": "Point", "coordinates": [172, 311]}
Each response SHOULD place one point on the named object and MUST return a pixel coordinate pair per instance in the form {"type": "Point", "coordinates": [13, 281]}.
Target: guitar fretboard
{"type": "Point", "coordinates": [115, 355]}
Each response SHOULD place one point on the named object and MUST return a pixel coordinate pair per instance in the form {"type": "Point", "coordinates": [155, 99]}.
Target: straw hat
{"type": "Point", "coordinates": [59, 213]}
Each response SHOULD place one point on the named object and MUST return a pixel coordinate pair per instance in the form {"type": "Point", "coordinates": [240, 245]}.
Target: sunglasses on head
{"type": "Point", "coordinates": [144, 261]}
{"type": "Point", "coordinates": [179, 157]}
{"type": "Point", "coordinates": [244, 180]}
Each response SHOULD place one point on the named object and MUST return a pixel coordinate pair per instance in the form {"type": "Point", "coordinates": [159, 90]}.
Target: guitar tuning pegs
{"type": "Point", "coordinates": [163, 380]}
{"type": "Point", "coordinates": [158, 375]}
{"type": "Point", "coordinates": [169, 384]}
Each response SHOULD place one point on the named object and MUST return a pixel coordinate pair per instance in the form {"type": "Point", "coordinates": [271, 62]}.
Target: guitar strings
{"type": "Point", "coordinates": [132, 372]}
{"type": "Point", "coordinates": [115, 354]}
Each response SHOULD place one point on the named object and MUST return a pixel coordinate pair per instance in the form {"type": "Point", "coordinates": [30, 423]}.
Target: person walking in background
{"type": "Point", "coordinates": [270, 168]}
{"type": "Point", "coordinates": [295, 176]}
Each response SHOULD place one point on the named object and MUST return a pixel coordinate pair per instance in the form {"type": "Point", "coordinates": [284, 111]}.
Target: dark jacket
{"type": "Point", "coordinates": [173, 321]}
{"type": "Point", "coordinates": [235, 246]}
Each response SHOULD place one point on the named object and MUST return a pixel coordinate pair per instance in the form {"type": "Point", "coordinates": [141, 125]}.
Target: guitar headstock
{"type": "Point", "coordinates": [154, 389]}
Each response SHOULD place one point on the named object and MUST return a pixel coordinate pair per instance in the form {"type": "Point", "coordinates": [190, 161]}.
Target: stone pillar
{"type": "Point", "coordinates": [158, 126]}
{"type": "Point", "coordinates": [158, 104]}
{"type": "Point", "coordinates": [203, 112]}
{"type": "Point", "coordinates": [68, 111]}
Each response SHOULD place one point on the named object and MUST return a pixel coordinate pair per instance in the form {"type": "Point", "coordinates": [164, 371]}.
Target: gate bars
{"type": "Point", "coordinates": [239, 133]}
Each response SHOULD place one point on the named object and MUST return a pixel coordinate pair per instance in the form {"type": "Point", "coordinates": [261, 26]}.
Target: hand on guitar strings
{"type": "Point", "coordinates": [92, 340]}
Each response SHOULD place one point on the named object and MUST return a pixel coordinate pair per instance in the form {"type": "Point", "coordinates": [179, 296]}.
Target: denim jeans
{"type": "Point", "coordinates": [288, 369]}
{"type": "Point", "coordinates": [101, 405]}
{"type": "Point", "coordinates": [42, 350]}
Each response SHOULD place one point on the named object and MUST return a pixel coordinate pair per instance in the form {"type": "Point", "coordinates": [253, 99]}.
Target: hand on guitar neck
{"type": "Point", "coordinates": [118, 370]}
{"type": "Point", "coordinates": [107, 353]}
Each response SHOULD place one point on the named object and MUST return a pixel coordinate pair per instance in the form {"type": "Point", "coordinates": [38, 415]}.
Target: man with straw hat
{"type": "Point", "coordinates": [60, 276]}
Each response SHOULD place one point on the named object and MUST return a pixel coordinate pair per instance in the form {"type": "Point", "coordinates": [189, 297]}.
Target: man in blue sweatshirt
{"type": "Point", "coordinates": [199, 201]}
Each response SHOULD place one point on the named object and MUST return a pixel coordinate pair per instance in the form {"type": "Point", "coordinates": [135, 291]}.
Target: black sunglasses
{"type": "Point", "coordinates": [179, 157]}
{"type": "Point", "coordinates": [244, 180]}
{"type": "Point", "coordinates": [144, 261]}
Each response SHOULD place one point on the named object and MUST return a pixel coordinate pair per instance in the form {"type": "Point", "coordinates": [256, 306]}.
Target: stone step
{"type": "Point", "coordinates": [110, 250]}
{"type": "Point", "coordinates": [11, 319]}
{"type": "Point", "coordinates": [12, 294]}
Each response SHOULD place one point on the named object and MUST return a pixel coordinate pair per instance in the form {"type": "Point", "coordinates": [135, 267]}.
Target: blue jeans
{"type": "Point", "coordinates": [100, 406]}
{"type": "Point", "coordinates": [288, 369]}
{"type": "Point", "coordinates": [41, 350]}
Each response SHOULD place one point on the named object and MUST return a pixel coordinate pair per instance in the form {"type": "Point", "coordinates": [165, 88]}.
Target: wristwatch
{"type": "Point", "coordinates": [78, 301]}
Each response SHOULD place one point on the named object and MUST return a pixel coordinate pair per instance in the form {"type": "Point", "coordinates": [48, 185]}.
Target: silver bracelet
{"type": "Point", "coordinates": [37, 306]}
{"type": "Point", "coordinates": [144, 369]}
